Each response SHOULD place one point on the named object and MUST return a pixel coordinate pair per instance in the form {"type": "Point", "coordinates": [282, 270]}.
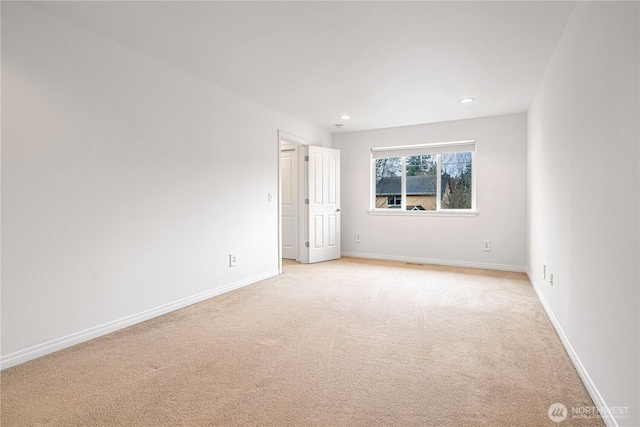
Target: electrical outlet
{"type": "Point", "coordinates": [486, 246]}
{"type": "Point", "coordinates": [551, 279]}
{"type": "Point", "coordinates": [233, 260]}
{"type": "Point", "coordinates": [357, 237]}
{"type": "Point", "coordinates": [544, 271]}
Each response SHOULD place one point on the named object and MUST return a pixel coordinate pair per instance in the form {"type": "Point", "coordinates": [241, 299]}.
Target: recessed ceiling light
{"type": "Point", "coordinates": [466, 100]}
{"type": "Point", "coordinates": [345, 117]}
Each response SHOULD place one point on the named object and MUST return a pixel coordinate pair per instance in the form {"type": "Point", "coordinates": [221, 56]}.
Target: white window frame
{"type": "Point", "coordinates": [436, 149]}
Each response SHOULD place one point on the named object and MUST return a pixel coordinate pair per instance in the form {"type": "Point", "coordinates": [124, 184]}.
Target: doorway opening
{"type": "Point", "coordinates": [308, 201]}
{"type": "Point", "coordinates": [292, 212]}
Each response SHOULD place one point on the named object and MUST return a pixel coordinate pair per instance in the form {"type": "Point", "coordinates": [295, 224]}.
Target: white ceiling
{"type": "Point", "coordinates": [384, 63]}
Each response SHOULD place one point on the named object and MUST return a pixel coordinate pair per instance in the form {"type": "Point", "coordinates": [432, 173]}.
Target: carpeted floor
{"type": "Point", "coordinates": [343, 343]}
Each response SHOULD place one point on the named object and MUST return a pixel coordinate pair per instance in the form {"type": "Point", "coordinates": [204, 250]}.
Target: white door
{"type": "Point", "coordinates": [324, 204]}
{"type": "Point", "coordinates": [289, 173]}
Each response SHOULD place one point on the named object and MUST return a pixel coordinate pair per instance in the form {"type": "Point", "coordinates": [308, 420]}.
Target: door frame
{"type": "Point", "coordinates": [285, 138]}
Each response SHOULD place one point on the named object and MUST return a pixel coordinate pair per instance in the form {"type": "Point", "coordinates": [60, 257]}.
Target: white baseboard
{"type": "Point", "coordinates": [598, 401]}
{"type": "Point", "coordinates": [453, 263]}
{"type": "Point", "coordinates": [57, 344]}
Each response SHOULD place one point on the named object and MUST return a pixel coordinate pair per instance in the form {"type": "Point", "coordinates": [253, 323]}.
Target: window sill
{"type": "Point", "coordinates": [398, 212]}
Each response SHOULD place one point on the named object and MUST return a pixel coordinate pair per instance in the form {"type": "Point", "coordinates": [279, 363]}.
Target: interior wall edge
{"type": "Point", "coordinates": [593, 391]}
{"type": "Point", "coordinates": [52, 346]}
{"type": "Point", "coordinates": [451, 263]}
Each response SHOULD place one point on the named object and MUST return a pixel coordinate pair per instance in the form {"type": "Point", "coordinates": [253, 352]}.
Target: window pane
{"type": "Point", "coordinates": [456, 180]}
{"type": "Point", "coordinates": [389, 183]}
{"type": "Point", "coordinates": [422, 176]}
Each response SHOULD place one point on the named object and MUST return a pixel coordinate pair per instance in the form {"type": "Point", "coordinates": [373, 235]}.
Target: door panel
{"type": "Point", "coordinates": [333, 173]}
{"type": "Point", "coordinates": [317, 171]}
{"type": "Point", "coordinates": [324, 203]}
{"type": "Point", "coordinates": [287, 178]}
{"type": "Point", "coordinates": [332, 220]}
{"type": "Point", "coordinates": [318, 232]}
{"type": "Point", "coordinates": [288, 235]}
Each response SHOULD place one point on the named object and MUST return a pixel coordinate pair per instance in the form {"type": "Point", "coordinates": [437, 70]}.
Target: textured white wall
{"type": "Point", "coordinates": [583, 196]}
{"type": "Point", "coordinates": [125, 184]}
{"type": "Point", "coordinates": [501, 186]}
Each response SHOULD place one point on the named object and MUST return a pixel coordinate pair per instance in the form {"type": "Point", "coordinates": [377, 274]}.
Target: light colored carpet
{"type": "Point", "coordinates": [343, 343]}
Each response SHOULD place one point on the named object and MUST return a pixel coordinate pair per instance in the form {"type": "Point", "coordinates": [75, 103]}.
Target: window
{"type": "Point", "coordinates": [394, 200]}
{"type": "Point", "coordinates": [456, 177]}
{"type": "Point", "coordinates": [424, 178]}
{"type": "Point", "coordinates": [388, 183]}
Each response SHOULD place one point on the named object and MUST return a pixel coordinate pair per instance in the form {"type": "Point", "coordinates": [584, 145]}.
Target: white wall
{"type": "Point", "coordinates": [125, 185]}
{"type": "Point", "coordinates": [583, 198]}
{"type": "Point", "coordinates": [501, 185]}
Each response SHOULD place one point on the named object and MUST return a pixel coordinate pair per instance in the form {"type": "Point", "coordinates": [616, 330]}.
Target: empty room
{"type": "Point", "coordinates": [329, 213]}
